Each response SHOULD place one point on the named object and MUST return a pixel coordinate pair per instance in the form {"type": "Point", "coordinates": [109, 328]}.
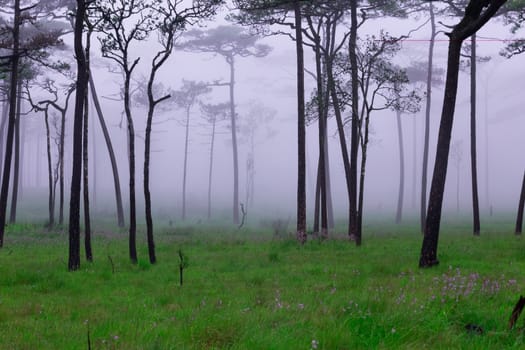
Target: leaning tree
{"type": "Point", "coordinates": [477, 14]}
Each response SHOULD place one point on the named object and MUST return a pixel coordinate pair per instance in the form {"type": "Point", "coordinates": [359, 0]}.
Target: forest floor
{"type": "Point", "coordinates": [246, 289]}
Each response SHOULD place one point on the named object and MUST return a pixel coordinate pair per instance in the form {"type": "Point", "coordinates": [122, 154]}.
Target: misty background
{"type": "Point", "coordinates": [270, 83]}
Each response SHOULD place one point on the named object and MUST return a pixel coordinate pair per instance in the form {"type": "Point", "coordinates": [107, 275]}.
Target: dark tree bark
{"type": "Point", "coordinates": [423, 207]}
{"type": "Point", "coordinates": [16, 170]}
{"type": "Point", "coordinates": [111, 153]}
{"type": "Point", "coordinates": [354, 145]}
{"type": "Point", "coordinates": [13, 82]}
{"type": "Point", "coordinates": [399, 212]}
{"type": "Point", "coordinates": [5, 117]}
{"type": "Point", "coordinates": [85, 175]}
{"type": "Point", "coordinates": [473, 147]}
{"type": "Point", "coordinates": [301, 132]}
{"type": "Point", "coordinates": [477, 14]}
{"type": "Point", "coordinates": [85, 160]}
{"type": "Point", "coordinates": [131, 154]}
{"type": "Point", "coordinates": [322, 134]}
{"type": "Point", "coordinates": [76, 178]}
{"type": "Point", "coordinates": [521, 205]}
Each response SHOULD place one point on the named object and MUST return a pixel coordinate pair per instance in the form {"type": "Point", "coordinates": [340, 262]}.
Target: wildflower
{"type": "Point", "coordinates": [315, 344]}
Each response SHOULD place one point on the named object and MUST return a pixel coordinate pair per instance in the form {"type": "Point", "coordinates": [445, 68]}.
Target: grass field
{"type": "Point", "coordinates": [247, 290]}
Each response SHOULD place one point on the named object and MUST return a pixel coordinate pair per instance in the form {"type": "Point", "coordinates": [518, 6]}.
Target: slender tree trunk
{"type": "Point", "coordinates": [13, 82]}
{"type": "Point", "coordinates": [61, 173]}
{"type": "Point", "coordinates": [473, 147]}
{"type": "Point", "coordinates": [85, 161]}
{"type": "Point", "coordinates": [16, 170]}
{"type": "Point", "coordinates": [321, 174]}
{"type": "Point", "coordinates": [354, 146]}
{"type": "Point", "coordinates": [329, 202]}
{"type": "Point", "coordinates": [94, 157]}
{"type": "Point", "coordinates": [414, 162]}
{"type": "Point", "coordinates": [234, 142]}
{"type": "Point", "coordinates": [81, 90]}
{"type": "Point", "coordinates": [5, 117]}
{"type": "Point", "coordinates": [364, 154]}
{"type": "Point", "coordinates": [111, 153]}
{"type": "Point", "coordinates": [301, 128]}
{"type": "Point", "coordinates": [399, 212]}
{"type": "Point", "coordinates": [51, 199]}
{"type": "Point", "coordinates": [185, 169]}
{"type": "Point", "coordinates": [457, 186]}
{"type": "Point", "coordinates": [131, 152]}
{"type": "Point", "coordinates": [428, 256]}
{"type": "Point", "coordinates": [521, 205]}
{"type": "Point", "coordinates": [23, 179]}
{"type": "Point", "coordinates": [423, 203]}
{"type": "Point", "coordinates": [340, 125]}
{"type": "Point", "coordinates": [210, 177]}
{"type": "Point", "coordinates": [317, 200]}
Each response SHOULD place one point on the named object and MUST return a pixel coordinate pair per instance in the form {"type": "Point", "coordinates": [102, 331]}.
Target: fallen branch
{"type": "Point", "coordinates": [516, 312]}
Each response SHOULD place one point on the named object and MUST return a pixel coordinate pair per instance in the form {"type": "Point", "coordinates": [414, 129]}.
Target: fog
{"type": "Point", "coordinates": [270, 81]}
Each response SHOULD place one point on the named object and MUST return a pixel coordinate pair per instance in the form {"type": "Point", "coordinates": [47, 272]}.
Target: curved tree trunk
{"type": "Point", "coordinates": [477, 14]}
{"type": "Point", "coordinates": [399, 212]}
{"type": "Point", "coordinates": [13, 82]}
{"type": "Point", "coordinates": [430, 242]}
{"type": "Point", "coordinates": [131, 154]}
{"type": "Point", "coordinates": [111, 153]}
{"type": "Point", "coordinates": [473, 148]}
{"type": "Point", "coordinates": [521, 205]}
{"type": "Point", "coordinates": [423, 203]}
{"type": "Point", "coordinates": [301, 133]}
{"type": "Point", "coordinates": [81, 90]}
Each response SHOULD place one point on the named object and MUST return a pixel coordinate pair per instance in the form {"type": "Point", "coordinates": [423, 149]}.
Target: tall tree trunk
{"type": "Point", "coordinates": [51, 199]}
{"type": "Point", "coordinates": [301, 128]}
{"type": "Point", "coordinates": [340, 125]}
{"type": "Point", "coordinates": [521, 205]}
{"type": "Point", "coordinates": [423, 203]}
{"type": "Point", "coordinates": [354, 146]}
{"type": "Point", "coordinates": [85, 160]}
{"type": "Point", "coordinates": [94, 159]}
{"type": "Point", "coordinates": [329, 202]}
{"type": "Point", "coordinates": [399, 212]}
{"type": "Point", "coordinates": [111, 153]}
{"type": "Point", "coordinates": [13, 82]}
{"type": "Point", "coordinates": [61, 171]}
{"type": "Point", "coordinates": [476, 15]}
{"type": "Point", "coordinates": [81, 90]}
{"type": "Point", "coordinates": [428, 256]}
{"type": "Point", "coordinates": [364, 155]}
{"type": "Point", "coordinates": [16, 170]}
{"type": "Point", "coordinates": [210, 175]}
{"type": "Point", "coordinates": [321, 174]}
{"type": "Point", "coordinates": [131, 153]}
{"type": "Point", "coordinates": [234, 142]}
{"type": "Point", "coordinates": [473, 147]}
{"type": "Point", "coordinates": [185, 168]}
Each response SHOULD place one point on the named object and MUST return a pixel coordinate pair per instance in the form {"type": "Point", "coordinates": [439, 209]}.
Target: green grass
{"type": "Point", "coordinates": [244, 290]}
